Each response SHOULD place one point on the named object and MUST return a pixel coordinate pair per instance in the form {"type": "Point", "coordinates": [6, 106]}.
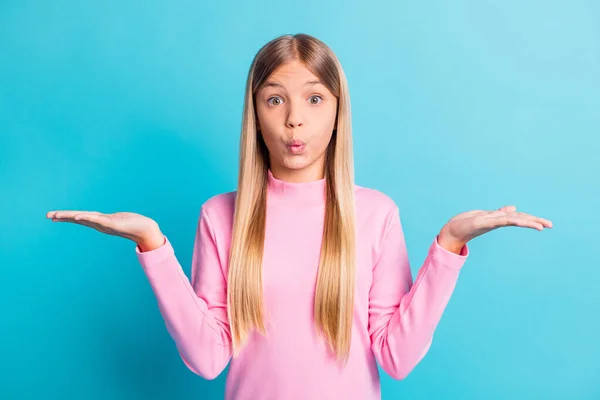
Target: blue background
{"type": "Point", "coordinates": [136, 106]}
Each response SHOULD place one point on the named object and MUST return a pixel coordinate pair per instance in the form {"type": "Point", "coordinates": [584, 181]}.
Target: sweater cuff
{"type": "Point", "coordinates": [148, 259]}
{"type": "Point", "coordinates": [447, 257]}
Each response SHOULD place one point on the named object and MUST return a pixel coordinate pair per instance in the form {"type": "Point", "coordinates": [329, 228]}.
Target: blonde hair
{"type": "Point", "coordinates": [334, 294]}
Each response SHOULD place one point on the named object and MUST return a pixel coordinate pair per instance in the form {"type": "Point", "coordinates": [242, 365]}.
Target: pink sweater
{"type": "Point", "coordinates": [394, 318]}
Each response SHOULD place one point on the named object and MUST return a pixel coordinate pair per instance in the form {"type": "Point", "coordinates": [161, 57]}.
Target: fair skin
{"type": "Point", "coordinates": [466, 226]}
{"type": "Point", "coordinates": [293, 106]}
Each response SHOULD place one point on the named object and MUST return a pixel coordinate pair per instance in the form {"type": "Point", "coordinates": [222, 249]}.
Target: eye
{"type": "Point", "coordinates": [279, 100]}
{"type": "Point", "coordinates": [316, 96]}
{"type": "Point", "coordinates": [274, 97]}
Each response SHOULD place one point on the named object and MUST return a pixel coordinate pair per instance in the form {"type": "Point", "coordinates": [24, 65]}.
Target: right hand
{"type": "Point", "coordinates": [142, 230]}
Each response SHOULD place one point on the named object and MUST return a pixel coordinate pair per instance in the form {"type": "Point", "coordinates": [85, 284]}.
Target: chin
{"type": "Point", "coordinates": [296, 163]}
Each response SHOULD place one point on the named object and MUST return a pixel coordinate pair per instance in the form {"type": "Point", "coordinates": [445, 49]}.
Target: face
{"type": "Point", "coordinates": [296, 117]}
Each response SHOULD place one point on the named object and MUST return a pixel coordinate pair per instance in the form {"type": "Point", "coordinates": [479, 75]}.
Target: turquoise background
{"type": "Point", "coordinates": [136, 106]}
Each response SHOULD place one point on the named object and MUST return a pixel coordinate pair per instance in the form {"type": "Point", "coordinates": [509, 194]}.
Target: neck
{"type": "Point", "coordinates": [289, 193]}
{"type": "Point", "coordinates": [311, 173]}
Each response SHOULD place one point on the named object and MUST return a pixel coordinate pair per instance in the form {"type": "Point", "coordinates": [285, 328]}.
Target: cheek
{"type": "Point", "coordinates": [326, 130]}
{"type": "Point", "coordinates": [269, 137]}
{"type": "Point", "coordinates": [265, 123]}
{"type": "Point", "coordinates": [324, 140]}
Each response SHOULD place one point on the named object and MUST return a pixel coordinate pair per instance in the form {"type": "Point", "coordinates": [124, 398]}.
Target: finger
{"type": "Point", "coordinates": [510, 208]}
{"type": "Point", "coordinates": [85, 215]}
{"type": "Point", "coordinates": [523, 221]}
{"type": "Point", "coordinates": [65, 213]}
{"type": "Point", "coordinates": [545, 223]}
{"type": "Point", "coordinates": [52, 214]}
{"type": "Point", "coordinates": [497, 219]}
{"type": "Point", "coordinates": [93, 217]}
{"type": "Point", "coordinates": [83, 223]}
{"type": "Point", "coordinates": [70, 214]}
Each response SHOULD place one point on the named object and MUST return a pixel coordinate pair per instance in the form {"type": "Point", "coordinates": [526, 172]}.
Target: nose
{"type": "Point", "coordinates": [294, 119]}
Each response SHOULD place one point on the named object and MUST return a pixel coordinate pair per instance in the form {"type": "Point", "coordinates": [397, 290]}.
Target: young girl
{"type": "Point", "coordinates": [300, 278]}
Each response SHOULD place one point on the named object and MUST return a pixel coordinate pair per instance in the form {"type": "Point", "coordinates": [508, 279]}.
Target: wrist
{"type": "Point", "coordinates": [151, 241]}
{"type": "Point", "coordinates": [450, 243]}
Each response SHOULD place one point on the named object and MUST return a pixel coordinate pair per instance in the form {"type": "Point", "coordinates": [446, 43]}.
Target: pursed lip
{"type": "Point", "coordinates": [295, 143]}
{"type": "Point", "coordinates": [296, 146]}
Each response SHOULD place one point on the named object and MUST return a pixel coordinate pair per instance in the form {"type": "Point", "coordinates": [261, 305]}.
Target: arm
{"type": "Point", "coordinates": [403, 315]}
{"type": "Point", "coordinates": [195, 314]}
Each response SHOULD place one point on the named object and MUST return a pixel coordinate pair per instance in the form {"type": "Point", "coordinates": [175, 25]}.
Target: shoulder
{"type": "Point", "coordinates": [220, 202]}
{"type": "Point", "coordinates": [374, 207]}
{"type": "Point", "coordinates": [371, 199]}
{"type": "Point", "coordinates": [219, 209]}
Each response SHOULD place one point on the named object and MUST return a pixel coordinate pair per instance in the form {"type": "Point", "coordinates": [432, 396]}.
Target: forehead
{"type": "Point", "coordinates": [291, 75]}
{"type": "Point", "coordinates": [292, 69]}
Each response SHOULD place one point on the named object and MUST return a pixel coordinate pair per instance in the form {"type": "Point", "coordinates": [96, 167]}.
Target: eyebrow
{"type": "Point", "coordinates": [277, 84]}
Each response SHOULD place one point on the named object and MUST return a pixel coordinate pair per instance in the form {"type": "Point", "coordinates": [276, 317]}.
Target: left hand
{"type": "Point", "coordinates": [468, 225]}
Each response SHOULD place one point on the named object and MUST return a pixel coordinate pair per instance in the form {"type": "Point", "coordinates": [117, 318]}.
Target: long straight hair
{"type": "Point", "coordinates": [334, 292]}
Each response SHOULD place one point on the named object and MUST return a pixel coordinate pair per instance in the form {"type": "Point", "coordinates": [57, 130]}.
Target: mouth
{"type": "Point", "coordinates": [296, 148]}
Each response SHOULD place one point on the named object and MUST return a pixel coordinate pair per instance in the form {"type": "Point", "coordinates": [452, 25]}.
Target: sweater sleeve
{"type": "Point", "coordinates": [403, 315]}
{"type": "Point", "coordinates": [195, 314]}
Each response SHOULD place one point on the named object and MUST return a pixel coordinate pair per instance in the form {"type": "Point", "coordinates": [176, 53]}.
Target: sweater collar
{"type": "Point", "coordinates": [281, 192]}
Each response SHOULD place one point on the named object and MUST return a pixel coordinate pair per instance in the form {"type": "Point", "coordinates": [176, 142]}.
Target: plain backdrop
{"type": "Point", "coordinates": [136, 106]}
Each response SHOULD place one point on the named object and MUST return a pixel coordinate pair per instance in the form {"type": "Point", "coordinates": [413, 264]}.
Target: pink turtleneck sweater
{"type": "Point", "coordinates": [394, 317]}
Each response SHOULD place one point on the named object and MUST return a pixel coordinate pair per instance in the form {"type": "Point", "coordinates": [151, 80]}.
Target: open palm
{"type": "Point", "coordinates": [470, 224]}
{"type": "Point", "coordinates": [125, 224]}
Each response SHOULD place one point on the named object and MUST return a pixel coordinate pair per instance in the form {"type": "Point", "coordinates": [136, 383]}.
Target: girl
{"type": "Point", "coordinates": [300, 278]}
